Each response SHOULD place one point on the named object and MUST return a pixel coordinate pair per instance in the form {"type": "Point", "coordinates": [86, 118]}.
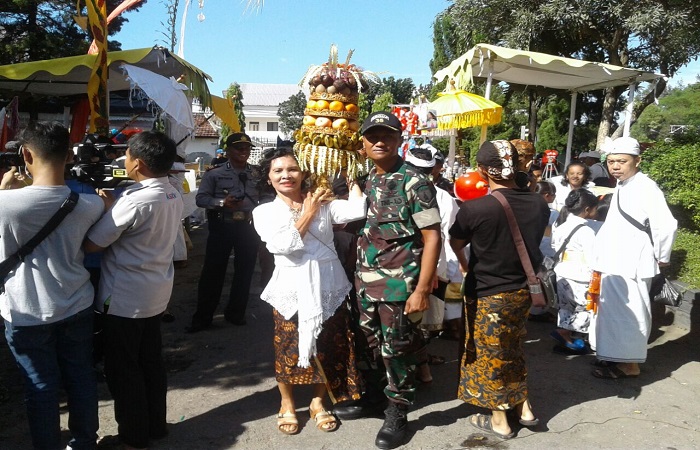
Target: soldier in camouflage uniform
{"type": "Point", "coordinates": [398, 251]}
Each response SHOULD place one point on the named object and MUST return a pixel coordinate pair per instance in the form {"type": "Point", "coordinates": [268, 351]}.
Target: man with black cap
{"type": "Point", "coordinates": [229, 193]}
{"type": "Point", "coordinates": [398, 250]}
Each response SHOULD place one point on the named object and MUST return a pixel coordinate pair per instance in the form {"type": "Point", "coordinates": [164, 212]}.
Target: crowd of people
{"type": "Point", "coordinates": [352, 272]}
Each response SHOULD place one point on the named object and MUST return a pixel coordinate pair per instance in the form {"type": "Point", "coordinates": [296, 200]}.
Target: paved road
{"type": "Point", "coordinates": [222, 393]}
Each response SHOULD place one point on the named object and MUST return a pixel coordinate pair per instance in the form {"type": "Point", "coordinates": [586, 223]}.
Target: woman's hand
{"type": "Point", "coordinates": [314, 200]}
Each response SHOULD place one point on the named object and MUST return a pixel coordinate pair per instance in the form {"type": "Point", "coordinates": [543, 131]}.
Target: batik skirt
{"type": "Point", "coordinates": [493, 373]}
{"type": "Point", "coordinates": [335, 353]}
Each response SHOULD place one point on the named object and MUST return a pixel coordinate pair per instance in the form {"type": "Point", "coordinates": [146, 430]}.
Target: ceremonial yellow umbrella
{"type": "Point", "coordinates": [457, 109]}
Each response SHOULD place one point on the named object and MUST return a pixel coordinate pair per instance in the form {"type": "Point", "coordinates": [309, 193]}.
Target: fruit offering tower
{"type": "Point", "coordinates": [329, 139]}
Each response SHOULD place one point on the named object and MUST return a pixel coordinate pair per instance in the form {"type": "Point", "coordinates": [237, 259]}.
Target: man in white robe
{"type": "Point", "coordinates": [628, 258]}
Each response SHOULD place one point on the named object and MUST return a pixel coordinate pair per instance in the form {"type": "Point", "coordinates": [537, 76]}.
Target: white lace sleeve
{"type": "Point", "coordinates": [276, 229]}
{"type": "Point", "coordinates": [344, 211]}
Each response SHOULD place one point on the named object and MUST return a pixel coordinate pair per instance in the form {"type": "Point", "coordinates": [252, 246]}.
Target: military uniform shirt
{"type": "Point", "coordinates": [401, 202]}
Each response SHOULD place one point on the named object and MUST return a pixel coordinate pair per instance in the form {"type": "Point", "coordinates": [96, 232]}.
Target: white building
{"type": "Point", "coordinates": [260, 104]}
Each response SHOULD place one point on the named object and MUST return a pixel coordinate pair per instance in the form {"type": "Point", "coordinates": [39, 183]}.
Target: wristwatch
{"type": "Point", "coordinates": [221, 203]}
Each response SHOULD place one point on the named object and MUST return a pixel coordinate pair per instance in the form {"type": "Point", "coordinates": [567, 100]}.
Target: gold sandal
{"type": "Point", "coordinates": [323, 418]}
{"type": "Point", "coordinates": [288, 420]}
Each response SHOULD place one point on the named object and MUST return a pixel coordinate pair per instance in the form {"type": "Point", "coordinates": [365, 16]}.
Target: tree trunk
{"type": "Point", "coordinates": [608, 115]}
{"type": "Point", "coordinates": [640, 106]}
{"type": "Point", "coordinates": [32, 29]}
{"type": "Point", "coordinates": [532, 123]}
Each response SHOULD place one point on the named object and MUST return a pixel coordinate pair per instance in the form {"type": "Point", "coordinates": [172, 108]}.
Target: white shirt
{"type": "Point", "coordinates": [574, 262]}
{"type": "Point", "coordinates": [448, 265]}
{"type": "Point", "coordinates": [563, 191]}
{"type": "Point", "coordinates": [620, 247]}
{"type": "Point", "coordinates": [139, 232]}
{"type": "Point", "coordinates": [52, 283]}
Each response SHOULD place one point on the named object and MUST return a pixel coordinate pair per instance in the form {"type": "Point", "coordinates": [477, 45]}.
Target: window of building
{"type": "Point", "coordinates": [272, 126]}
{"type": "Point", "coordinates": [254, 126]}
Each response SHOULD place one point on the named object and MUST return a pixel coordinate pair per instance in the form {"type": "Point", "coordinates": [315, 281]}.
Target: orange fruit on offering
{"type": "Point", "coordinates": [336, 106]}
{"type": "Point", "coordinates": [321, 105]}
{"type": "Point", "coordinates": [311, 104]}
{"type": "Point", "coordinates": [309, 121]}
{"type": "Point", "coordinates": [351, 108]}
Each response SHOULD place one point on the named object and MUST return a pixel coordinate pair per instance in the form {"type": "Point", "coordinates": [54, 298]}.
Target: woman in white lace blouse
{"type": "Point", "coordinates": [308, 289]}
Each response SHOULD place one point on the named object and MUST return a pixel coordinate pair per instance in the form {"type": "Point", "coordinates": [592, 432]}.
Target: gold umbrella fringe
{"type": "Point", "coordinates": [469, 119]}
{"type": "Point", "coordinates": [329, 162]}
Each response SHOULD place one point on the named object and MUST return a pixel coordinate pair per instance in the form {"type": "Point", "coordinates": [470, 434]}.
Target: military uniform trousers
{"type": "Point", "coordinates": [395, 343]}
{"type": "Point", "coordinates": [226, 235]}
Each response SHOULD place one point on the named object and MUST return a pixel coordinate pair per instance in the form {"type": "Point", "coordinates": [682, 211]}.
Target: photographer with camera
{"type": "Point", "coordinates": [47, 302]}
{"type": "Point", "coordinates": [138, 233]}
{"type": "Point", "coordinates": [229, 193]}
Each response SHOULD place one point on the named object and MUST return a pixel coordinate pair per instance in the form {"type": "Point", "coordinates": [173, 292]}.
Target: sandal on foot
{"type": "Point", "coordinates": [287, 423]}
{"type": "Point", "coordinates": [325, 421]}
{"type": "Point", "coordinates": [611, 373]}
{"type": "Point", "coordinates": [577, 345]}
{"type": "Point", "coordinates": [529, 423]}
{"type": "Point", "coordinates": [483, 422]}
{"type": "Point", "coordinates": [601, 363]}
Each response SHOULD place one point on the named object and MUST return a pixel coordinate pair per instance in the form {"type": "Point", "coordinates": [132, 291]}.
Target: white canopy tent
{"type": "Point", "coordinates": [540, 69]}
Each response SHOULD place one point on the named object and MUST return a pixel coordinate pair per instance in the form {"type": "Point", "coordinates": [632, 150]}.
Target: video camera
{"type": "Point", "coordinates": [13, 156]}
{"type": "Point", "coordinates": [95, 163]}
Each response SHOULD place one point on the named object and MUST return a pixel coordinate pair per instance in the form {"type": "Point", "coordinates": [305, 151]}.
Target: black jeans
{"type": "Point", "coordinates": [224, 236]}
{"type": "Point", "coordinates": [136, 377]}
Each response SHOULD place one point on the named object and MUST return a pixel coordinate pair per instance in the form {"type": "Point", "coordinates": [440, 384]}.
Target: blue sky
{"type": "Point", "coordinates": [278, 43]}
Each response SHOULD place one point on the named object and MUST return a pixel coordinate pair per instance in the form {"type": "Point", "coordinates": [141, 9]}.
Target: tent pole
{"type": "Point", "coordinates": [570, 137]}
{"type": "Point", "coordinates": [453, 148]}
{"type": "Point", "coordinates": [487, 95]}
{"type": "Point", "coordinates": [628, 110]}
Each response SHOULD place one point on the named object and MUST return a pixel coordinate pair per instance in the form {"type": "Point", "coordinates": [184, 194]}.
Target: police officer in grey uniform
{"type": "Point", "coordinates": [229, 193]}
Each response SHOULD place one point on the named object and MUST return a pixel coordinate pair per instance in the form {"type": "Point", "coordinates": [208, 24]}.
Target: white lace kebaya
{"type": "Point", "coordinates": [308, 279]}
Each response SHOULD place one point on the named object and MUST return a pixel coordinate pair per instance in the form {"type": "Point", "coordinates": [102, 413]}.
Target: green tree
{"type": "Point", "coordinates": [291, 112]}
{"type": "Point", "coordinates": [401, 89]}
{"type": "Point", "coordinates": [677, 107]}
{"type": "Point", "coordinates": [32, 30]}
{"type": "Point", "coordinates": [234, 94]}
{"type": "Point", "coordinates": [382, 102]}
{"type": "Point", "coordinates": [646, 34]}
{"type": "Point", "coordinates": [675, 167]}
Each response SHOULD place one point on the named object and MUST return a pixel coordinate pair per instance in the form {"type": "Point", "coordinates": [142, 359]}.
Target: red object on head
{"type": "Point", "coordinates": [470, 186]}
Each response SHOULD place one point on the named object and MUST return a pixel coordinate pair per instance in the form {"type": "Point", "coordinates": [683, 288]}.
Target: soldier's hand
{"type": "Point", "coordinates": [417, 302]}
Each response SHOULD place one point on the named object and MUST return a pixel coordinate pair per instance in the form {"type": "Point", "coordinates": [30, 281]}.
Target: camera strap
{"type": "Point", "coordinates": [18, 257]}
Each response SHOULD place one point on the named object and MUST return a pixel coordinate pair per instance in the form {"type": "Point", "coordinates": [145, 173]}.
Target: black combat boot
{"type": "Point", "coordinates": [393, 432]}
{"type": "Point", "coordinates": [367, 406]}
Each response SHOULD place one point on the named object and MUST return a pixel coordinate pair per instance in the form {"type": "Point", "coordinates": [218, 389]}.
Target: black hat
{"type": "Point", "coordinates": [381, 119]}
{"type": "Point", "coordinates": [236, 138]}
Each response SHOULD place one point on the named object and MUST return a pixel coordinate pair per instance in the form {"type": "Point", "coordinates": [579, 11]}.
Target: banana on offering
{"type": "Point", "coordinates": [329, 138]}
